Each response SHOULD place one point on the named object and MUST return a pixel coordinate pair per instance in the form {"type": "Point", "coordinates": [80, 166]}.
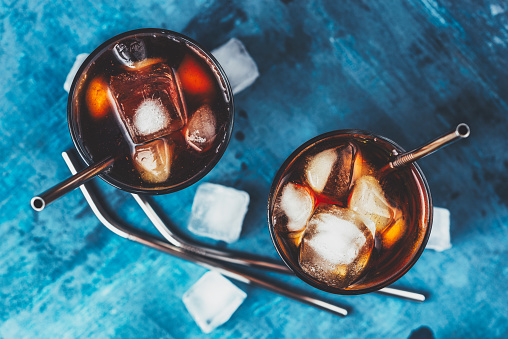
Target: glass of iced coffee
{"type": "Point", "coordinates": [158, 104]}
{"type": "Point", "coordinates": [342, 220]}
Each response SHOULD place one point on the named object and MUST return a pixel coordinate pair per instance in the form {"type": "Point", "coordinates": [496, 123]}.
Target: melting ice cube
{"type": "Point", "coordinates": [336, 246]}
{"type": "Point", "coordinates": [218, 212]}
{"type": "Point", "coordinates": [153, 160]}
{"type": "Point", "coordinates": [150, 117]}
{"type": "Point", "coordinates": [149, 102]}
{"type": "Point", "coordinates": [330, 172]}
{"type": "Point", "coordinates": [212, 300]}
{"type": "Point", "coordinates": [440, 234]}
{"type": "Point", "coordinates": [368, 199]}
{"type": "Point", "coordinates": [201, 130]}
{"type": "Point", "coordinates": [239, 66]}
{"type": "Point", "coordinates": [128, 52]}
{"type": "Point", "coordinates": [320, 168]}
{"type": "Point", "coordinates": [72, 73]}
{"type": "Point", "coordinates": [296, 205]}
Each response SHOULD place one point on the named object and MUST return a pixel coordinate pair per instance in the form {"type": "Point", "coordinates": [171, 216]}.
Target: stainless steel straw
{"type": "Point", "coordinates": [42, 200]}
{"type": "Point", "coordinates": [460, 132]}
{"type": "Point", "coordinates": [244, 259]}
{"type": "Point", "coordinates": [233, 257]}
{"type": "Point", "coordinates": [161, 245]}
{"type": "Point", "coordinates": [397, 292]}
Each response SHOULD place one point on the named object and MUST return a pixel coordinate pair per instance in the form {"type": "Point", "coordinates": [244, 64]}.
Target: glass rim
{"type": "Point", "coordinates": [72, 124]}
{"type": "Point", "coordinates": [297, 270]}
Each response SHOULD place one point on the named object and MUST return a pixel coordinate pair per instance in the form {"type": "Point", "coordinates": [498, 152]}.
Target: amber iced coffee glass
{"type": "Point", "coordinates": [156, 102]}
{"type": "Point", "coordinates": [342, 220]}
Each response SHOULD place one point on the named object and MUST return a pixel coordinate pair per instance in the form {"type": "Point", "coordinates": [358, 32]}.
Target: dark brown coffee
{"type": "Point", "coordinates": [158, 104]}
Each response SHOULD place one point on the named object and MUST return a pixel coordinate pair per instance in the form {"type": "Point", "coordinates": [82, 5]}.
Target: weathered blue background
{"type": "Point", "coordinates": [408, 70]}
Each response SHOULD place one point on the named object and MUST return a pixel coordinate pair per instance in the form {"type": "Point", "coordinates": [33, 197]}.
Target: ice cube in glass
{"type": "Point", "coordinates": [150, 104]}
{"type": "Point", "coordinates": [129, 52]}
{"type": "Point", "coordinates": [368, 199]}
{"type": "Point", "coordinates": [201, 130]}
{"type": "Point", "coordinates": [330, 172]}
{"type": "Point", "coordinates": [294, 207]}
{"type": "Point", "coordinates": [336, 246]}
{"type": "Point", "coordinates": [153, 160]}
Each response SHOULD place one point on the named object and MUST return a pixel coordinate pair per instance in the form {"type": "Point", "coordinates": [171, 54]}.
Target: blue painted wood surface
{"type": "Point", "coordinates": [408, 70]}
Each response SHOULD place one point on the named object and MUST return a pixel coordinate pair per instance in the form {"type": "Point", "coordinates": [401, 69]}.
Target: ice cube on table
{"type": "Point", "coordinates": [439, 239]}
{"type": "Point", "coordinates": [239, 66]}
{"type": "Point", "coordinates": [212, 300]}
{"type": "Point", "coordinates": [72, 73]}
{"type": "Point", "coordinates": [330, 172]}
{"type": "Point", "coordinates": [153, 160]}
{"type": "Point", "coordinates": [296, 204]}
{"type": "Point", "coordinates": [129, 52]}
{"type": "Point", "coordinates": [218, 212]}
{"type": "Point", "coordinates": [336, 246]}
{"type": "Point", "coordinates": [149, 102]}
{"type": "Point", "coordinates": [368, 199]}
{"type": "Point", "coordinates": [201, 129]}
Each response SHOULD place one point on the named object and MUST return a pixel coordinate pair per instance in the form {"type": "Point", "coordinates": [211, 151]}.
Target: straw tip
{"type": "Point", "coordinates": [463, 130]}
{"type": "Point", "coordinates": [37, 203]}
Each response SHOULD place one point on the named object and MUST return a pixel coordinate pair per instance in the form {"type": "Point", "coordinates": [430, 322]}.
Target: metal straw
{"type": "Point", "coordinates": [461, 132]}
{"type": "Point", "coordinates": [191, 248]}
{"type": "Point", "coordinates": [240, 258]}
{"type": "Point", "coordinates": [159, 244]}
{"type": "Point", "coordinates": [395, 292]}
{"type": "Point", "coordinates": [40, 201]}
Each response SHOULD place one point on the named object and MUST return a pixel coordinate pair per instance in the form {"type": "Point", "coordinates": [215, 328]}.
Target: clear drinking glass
{"type": "Point", "coordinates": [127, 86]}
{"type": "Point", "coordinates": [342, 175]}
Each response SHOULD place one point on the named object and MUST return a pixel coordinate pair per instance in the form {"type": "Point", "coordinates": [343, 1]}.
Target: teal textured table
{"type": "Point", "coordinates": [408, 70]}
